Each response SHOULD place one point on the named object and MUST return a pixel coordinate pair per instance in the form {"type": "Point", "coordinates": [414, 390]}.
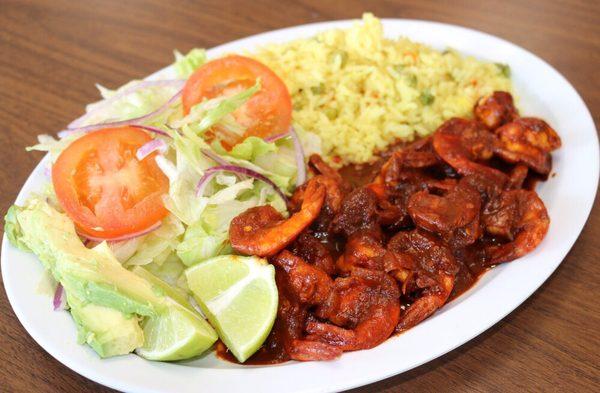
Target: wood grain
{"type": "Point", "coordinates": [52, 53]}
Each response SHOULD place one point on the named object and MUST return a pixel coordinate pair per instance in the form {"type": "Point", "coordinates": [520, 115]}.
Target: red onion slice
{"type": "Point", "coordinates": [121, 123]}
{"type": "Point", "coordinates": [59, 301]}
{"type": "Point", "coordinates": [299, 153]}
{"type": "Point", "coordinates": [150, 147]}
{"type": "Point", "coordinates": [301, 169]}
{"type": "Point", "coordinates": [277, 137]}
{"type": "Point", "coordinates": [151, 129]}
{"type": "Point", "coordinates": [77, 123]}
{"type": "Point", "coordinates": [239, 170]}
{"type": "Point", "coordinates": [124, 237]}
{"type": "Point", "coordinates": [215, 157]}
{"type": "Point", "coordinates": [204, 180]}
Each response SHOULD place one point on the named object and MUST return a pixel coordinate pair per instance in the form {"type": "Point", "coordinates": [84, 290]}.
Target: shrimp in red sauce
{"type": "Point", "coordinates": [466, 146]}
{"type": "Point", "coordinates": [495, 110]}
{"type": "Point", "coordinates": [426, 268]}
{"type": "Point", "coordinates": [363, 311]}
{"type": "Point", "coordinates": [529, 141]}
{"type": "Point", "coordinates": [262, 231]}
{"type": "Point", "coordinates": [454, 216]}
{"type": "Point", "coordinates": [355, 265]}
{"type": "Point", "coordinates": [520, 217]}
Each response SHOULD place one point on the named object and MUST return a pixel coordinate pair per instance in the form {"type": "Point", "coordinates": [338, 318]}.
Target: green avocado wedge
{"type": "Point", "coordinates": [116, 310]}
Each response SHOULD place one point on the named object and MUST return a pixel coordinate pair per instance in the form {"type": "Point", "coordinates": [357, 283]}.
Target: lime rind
{"type": "Point", "coordinates": [242, 311]}
{"type": "Point", "coordinates": [175, 335]}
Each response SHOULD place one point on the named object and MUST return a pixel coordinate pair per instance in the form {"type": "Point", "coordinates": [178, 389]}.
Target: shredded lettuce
{"type": "Point", "coordinates": [185, 65]}
{"type": "Point", "coordinates": [274, 160]}
{"type": "Point", "coordinates": [189, 164]}
{"type": "Point", "coordinates": [285, 183]}
{"type": "Point", "coordinates": [208, 113]}
{"type": "Point", "coordinates": [181, 200]}
{"type": "Point", "coordinates": [311, 143]}
{"type": "Point", "coordinates": [281, 162]}
{"type": "Point", "coordinates": [251, 148]}
{"type": "Point", "coordinates": [169, 271]}
{"type": "Point", "coordinates": [153, 247]}
{"type": "Point", "coordinates": [52, 145]}
{"type": "Point", "coordinates": [13, 229]}
{"type": "Point", "coordinates": [200, 243]}
{"type": "Point", "coordinates": [136, 104]}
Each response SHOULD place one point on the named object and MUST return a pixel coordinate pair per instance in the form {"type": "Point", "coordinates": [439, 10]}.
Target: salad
{"type": "Point", "coordinates": [133, 223]}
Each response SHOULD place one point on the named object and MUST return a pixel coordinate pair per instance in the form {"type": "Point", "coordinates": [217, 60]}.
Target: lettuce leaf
{"type": "Point", "coordinates": [311, 143]}
{"type": "Point", "coordinates": [281, 161]}
{"type": "Point", "coordinates": [154, 247]}
{"type": "Point", "coordinates": [52, 145]}
{"type": "Point", "coordinates": [251, 148]}
{"type": "Point", "coordinates": [185, 65]}
{"type": "Point", "coordinates": [169, 271]}
{"type": "Point", "coordinates": [181, 200]}
{"type": "Point", "coordinates": [13, 230]}
{"type": "Point", "coordinates": [136, 104]}
{"type": "Point", "coordinates": [281, 175]}
{"type": "Point", "coordinates": [200, 244]}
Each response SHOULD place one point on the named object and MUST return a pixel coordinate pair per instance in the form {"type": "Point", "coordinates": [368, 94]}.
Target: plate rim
{"type": "Point", "coordinates": [109, 381]}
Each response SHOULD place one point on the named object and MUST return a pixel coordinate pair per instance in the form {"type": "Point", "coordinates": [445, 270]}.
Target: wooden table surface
{"type": "Point", "coordinates": [53, 52]}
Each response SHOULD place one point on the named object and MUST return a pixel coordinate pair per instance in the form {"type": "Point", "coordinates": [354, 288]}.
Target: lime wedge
{"type": "Point", "coordinates": [177, 333]}
{"type": "Point", "coordinates": [239, 297]}
{"type": "Point", "coordinates": [163, 288]}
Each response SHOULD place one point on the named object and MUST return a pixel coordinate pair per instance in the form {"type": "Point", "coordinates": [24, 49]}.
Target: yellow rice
{"type": "Point", "coordinates": [361, 92]}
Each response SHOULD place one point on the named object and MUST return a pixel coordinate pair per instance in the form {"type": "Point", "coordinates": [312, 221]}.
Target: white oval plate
{"type": "Point", "coordinates": [568, 196]}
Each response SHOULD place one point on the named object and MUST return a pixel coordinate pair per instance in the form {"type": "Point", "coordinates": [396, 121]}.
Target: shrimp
{"type": "Point", "coordinates": [392, 204]}
{"type": "Point", "coordinates": [495, 110]}
{"type": "Point", "coordinates": [364, 249]}
{"type": "Point", "coordinates": [288, 331]}
{"type": "Point", "coordinates": [316, 163]}
{"type": "Point", "coordinates": [463, 143]}
{"type": "Point", "coordinates": [455, 216]}
{"type": "Point", "coordinates": [528, 141]}
{"type": "Point", "coordinates": [487, 187]}
{"type": "Point", "coordinates": [358, 210]}
{"type": "Point", "coordinates": [263, 232]}
{"type": "Point", "coordinates": [333, 201]}
{"type": "Point", "coordinates": [300, 285]}
{"type": "Point", "coordinates": [333, 193]}
{"type": "Point", "coordinates": [309, 248]}
{"type": "Point", "coordinates": [518, 216]}
{"type": "Point", "coordinates": [517, 177]}
{"type": "Point", "coordinates": [417, 155]}
{"type": "Point", "coordinates": [309, 284]}
{"type": "Point", "coordinates": [363, 310]}
{"type": "Point", "coordinates": [335, 189]}
{"type": "Point", "coordinates": [407, 171]}
{"type": "Point", "coordinates": [427, 270]}
{"type": "Point", "coordinates": [307, 350]}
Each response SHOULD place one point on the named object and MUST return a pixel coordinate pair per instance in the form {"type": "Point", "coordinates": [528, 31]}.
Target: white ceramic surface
{"type": "Point", "coordinates": [568, 196]}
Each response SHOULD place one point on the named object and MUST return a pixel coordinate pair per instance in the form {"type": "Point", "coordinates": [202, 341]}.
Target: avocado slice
{"type": "Point", "coordinates": [107, 301]}
{"type": "Point", "coordinates": [109, 332]}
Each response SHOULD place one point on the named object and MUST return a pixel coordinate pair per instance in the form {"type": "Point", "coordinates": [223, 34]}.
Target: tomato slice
{"type": "Point", "coordinates": [266, 113]}
{"type": "Point", "coordinates": [105, 189]}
